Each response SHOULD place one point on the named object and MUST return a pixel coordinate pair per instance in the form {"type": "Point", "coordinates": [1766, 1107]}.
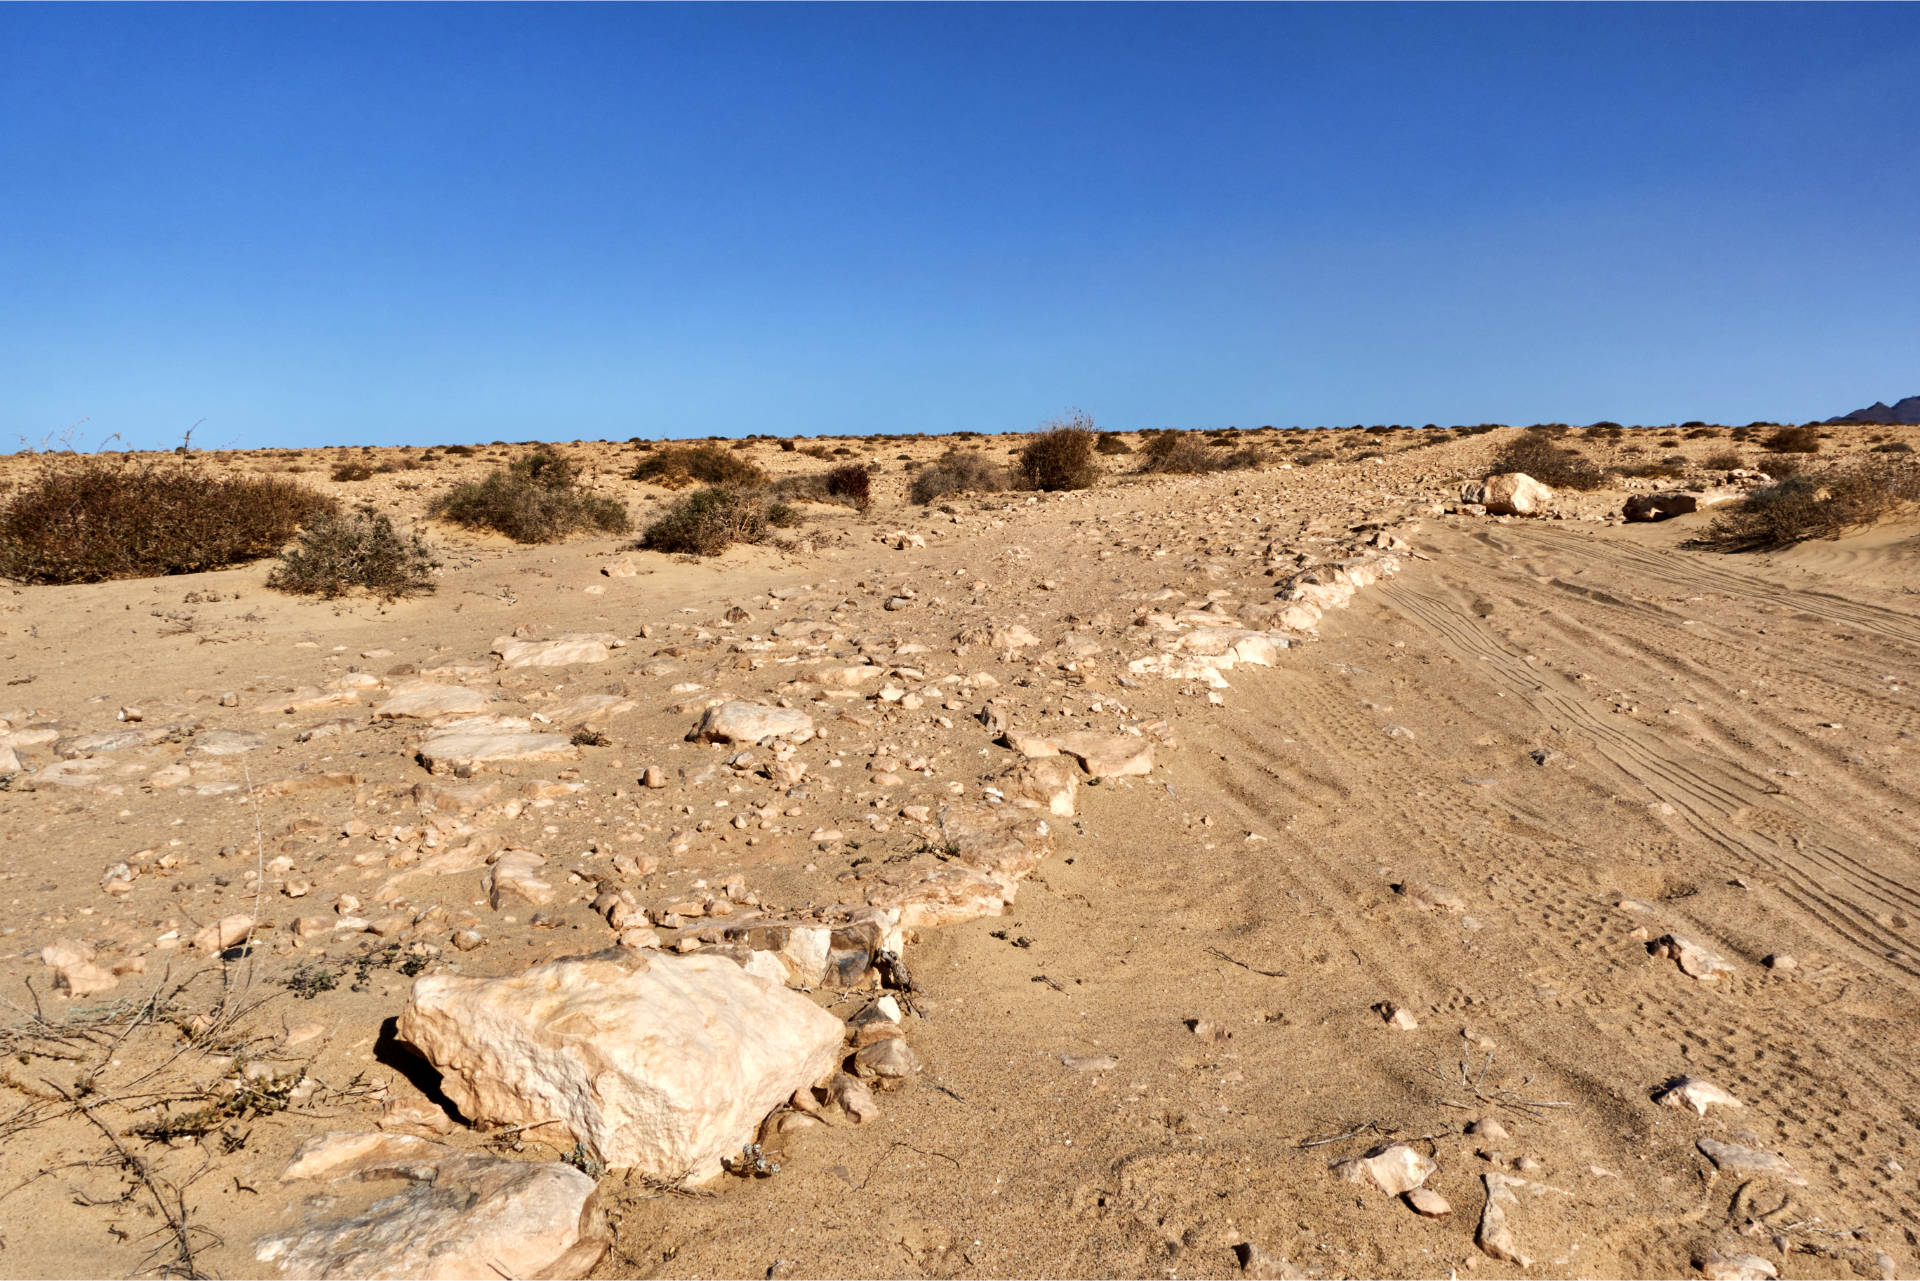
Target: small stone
{"type": "Point", "coordinates": [891, 1058]}
{"type": "Point", "coordinates": [1781, 962]}
{"type": "Point", "coordinates": [1399, 1016]}
{"type": "Point", "coordinates": [225, 933]}
{"type": "Point", "coordinates": [653, 776]}
{"type": "Point", "coordinates": [1392, 1167]}
{"type": "Point", "coordinates": [1737, 1159]}
{"type": "Point", "coordinates": [852, 1097]}
{"type": "Point", "coordinates": [1488, 1128]}
{"type": "Point", "coordinates": [298, 887]}
{"type": "Point", "coordinates": [1427, 1203]}
{"type": "Point", "coordinates": [1736, 1267]}
{"type": "Point", "coordinates": [1692, 1092]}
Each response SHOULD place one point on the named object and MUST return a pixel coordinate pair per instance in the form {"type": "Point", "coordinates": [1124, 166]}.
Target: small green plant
{"type": "Point", "coordinates": [310, 981]}
{"type": "Point", "coordinates": [535, 499]}
{"type": "Point", "coordinates": [707, 522]}
{"type": "Point", "coordinates": [337, 553]}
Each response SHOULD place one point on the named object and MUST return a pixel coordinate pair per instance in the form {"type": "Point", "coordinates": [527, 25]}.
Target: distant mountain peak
{"type": "Point", "coordinates": [1905, 412]}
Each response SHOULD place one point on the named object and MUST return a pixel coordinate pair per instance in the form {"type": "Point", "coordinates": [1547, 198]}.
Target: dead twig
{"type": "Point", "coordinates": [1232, 960]}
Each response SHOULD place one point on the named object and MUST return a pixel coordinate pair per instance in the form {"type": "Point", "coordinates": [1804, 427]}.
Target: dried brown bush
{"type": "Point", "coordinates": [1060, 456]}
{"type": "Point", "coordinates": [352, 471]}
{"type": "Point", "coordinates": [959, 472]}
{"type": "Point", "coordinates": [708, 521]}
{"type": "Point", "coordinates": [1110, 443]}
{"type": "Point", "coordinates": [849, 486]}
{"type": "Point", "coordinates": [1722, 460]}
{"type": "Point", "coordinates": [677, 466]}
{"type": "Point", "coordinates": [90, 518]}
{"type": "Point", "coordinates": [1793, 440]}
{"type": "Point", "coordinates": [535, 499]}
{"type": "Point", "coordinates": [1823, 504]}
{"type": "Point", "coordinates": [1535, 454]}
{"type": "Point", "coordinates": [337, 553]}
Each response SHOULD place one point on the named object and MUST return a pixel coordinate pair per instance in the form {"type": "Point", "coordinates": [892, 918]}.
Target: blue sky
{"type": "Point", "coordinates": [318, 224]}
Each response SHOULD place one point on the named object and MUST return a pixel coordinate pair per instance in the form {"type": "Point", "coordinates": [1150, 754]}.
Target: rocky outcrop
{"type": "Point", "coordinates": [662, 1063]}
{"type": "Point", "coordinates": [463, 1214]}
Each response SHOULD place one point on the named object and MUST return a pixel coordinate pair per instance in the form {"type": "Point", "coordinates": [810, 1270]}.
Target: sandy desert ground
{"type": "Point", "coordinates": [1408, 881]}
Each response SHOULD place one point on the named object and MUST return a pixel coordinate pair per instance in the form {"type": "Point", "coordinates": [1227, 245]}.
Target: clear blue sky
{"type": "Point", "coordinates": [314, 224]}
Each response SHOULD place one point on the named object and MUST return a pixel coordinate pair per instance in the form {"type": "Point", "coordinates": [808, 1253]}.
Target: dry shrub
{"type": "Point", "coordinates": [787, 447]}
{"type": "Point", "coordinates": [1179, 453]}
{"type": "Point", "coordinates": [1722, 460]}
{"type": "Point", "coordinates": [957, 472]}
{"type": "Point", "coordinates": [1060, 457]}
{"type": "Point", "coordinates": [337, 553]}
{"type": "Point", "coordinates": [817, 451]}
{"type": "Point", "coordinates": [87, 519]}
{"type": "Point", "coordinates": [535, 499]}
{"type": "Point", "coordinates": [852, 485]}
{"type": "Point", "coordinates": [678, 466]}
{"type": "Point", "coordinates": [1535, 454]}
{"type": "Point", "coordinates": [1823, 504]}
{"type": "Point", "coordinates": [352, 471]}
{"type": "Point", "coordinates": [1793, 440]}
{"type": "Point", "coordinates": [708, 521]}
{"type": "Point", "coordinates": [1665, 469]}
{"type": "Point", "coordinates": [849, 486]}
{"type": "Point", "coordinates": [1110, 443]}
{"type": "Point", "coordinates": [1893, 447]}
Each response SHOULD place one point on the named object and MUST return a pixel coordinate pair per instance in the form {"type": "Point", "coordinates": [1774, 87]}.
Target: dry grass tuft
{"type": "Point", "coordinates": [959, 472]}
{"type": "Point", "coordinates": [708, 521]}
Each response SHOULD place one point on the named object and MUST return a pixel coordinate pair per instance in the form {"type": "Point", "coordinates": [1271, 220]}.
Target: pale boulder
{"type": "Point", "coordinates": [1516, 494]}
{"type": "Point", "coordinates": [595, 647]}
{"type": "Point", "coordinates": [227, 932]}
{"type": "Point", "coordinates": [73, 969]}
{"type": "Point", "coordinates": [1048, 783]}
{"type": "Point", "coordinates": [1108, 755]}
{"type": "Point", "coordinates": [465, 754]}
{"type": "Point", "coordinates": [462, 1214]}
{"type": "Point", "coordinates": [424, 700]}
{"type": "Point", "coordinates": [750, 723]}
{"type": "Point", "coordinates": [658, 1062]}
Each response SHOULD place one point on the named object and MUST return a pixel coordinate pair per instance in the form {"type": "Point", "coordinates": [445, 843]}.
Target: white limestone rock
{"type": "Point", "coordinates": [659, 1062]}
{"type": "Point", "coordinates": [463, 1214]}
{"type": "Point", "coordinates": [751, 722]}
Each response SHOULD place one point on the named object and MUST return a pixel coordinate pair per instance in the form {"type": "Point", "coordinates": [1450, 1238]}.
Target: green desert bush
{"type": "Point", "coordinates": [677, 466]}
{"type": "Point", "coordinates": [1813, 504]}
{"type": "Point", "coordinates": [1535, 453]}
{"type": "Point", "coordinates": [339, 552]}
{"type": "Point", "coordinates": [708, 521]}
{"type": "Point", "coordinates": [90, 518]}
{"type": "Point", "coordinates": [1060, 456]}
{"type": "Point", "coordinates": [958, 472]}
{"type": "Point", "coordinates": [535, 499]}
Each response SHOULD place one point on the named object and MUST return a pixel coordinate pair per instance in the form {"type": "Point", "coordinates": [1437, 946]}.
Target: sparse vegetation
{"type": "Point", "coordinates": [708, 521]}
{"type": "Point", "coordinates": [1110, 443]}
{"type": "Point", "coordinates": [91, 518]}
{"type": "Point", "coordinates": [959, 472]}
{"type": "Point", "coordinates": [1793, 440]}
{"type": "Point", "coordinates": [1722, 460]}
{"type": "Point", "coordinates": [352, 471]}
{"type": "Point", "coordinates": [1061, 455]}
{"type": "Point", "coordinates": [1535, 453]}
{"type": "Point", "coordinates": [678, 466]}
{"type": "Point", "coordinates": [339, 552]}
{"type": "Point", "coordinates": [1822, 504]}
{"type": "Point", "coordinates": [1180, 453]}
{"type": "Point", "coordinates": [535, 499]}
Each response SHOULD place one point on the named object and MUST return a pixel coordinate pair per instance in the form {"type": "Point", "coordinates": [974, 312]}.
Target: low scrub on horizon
{"type": "Point", "coordinates": [92, 518]}
{"type": "Point", "coordinates": [535, 499]}
{"type": "Point", "coordinates": [678, 466]}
